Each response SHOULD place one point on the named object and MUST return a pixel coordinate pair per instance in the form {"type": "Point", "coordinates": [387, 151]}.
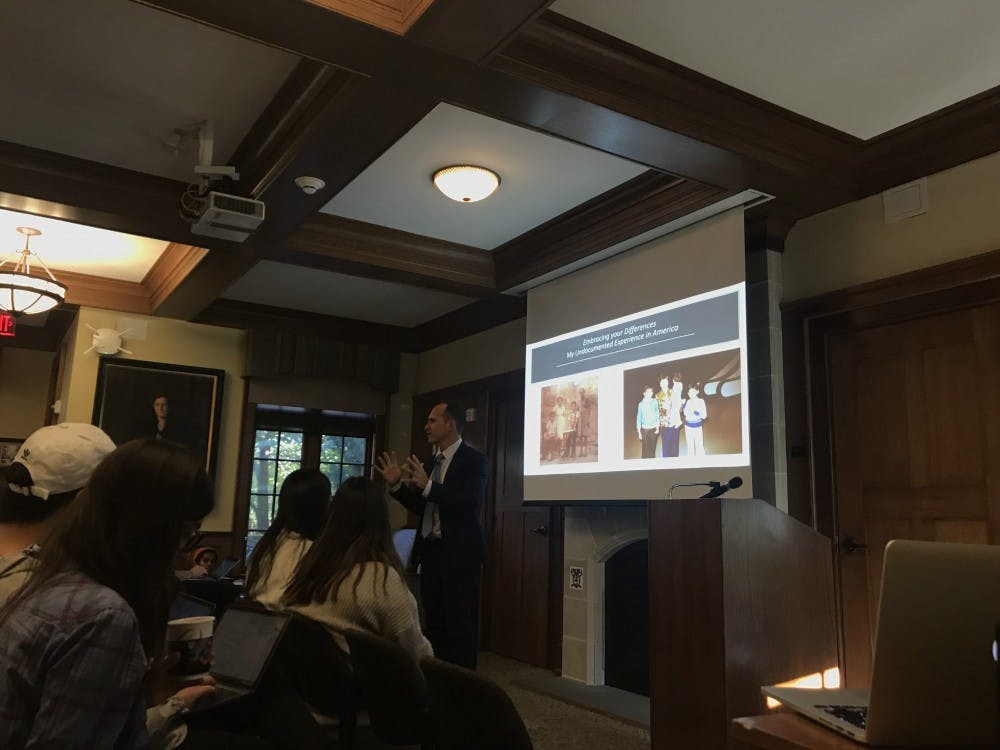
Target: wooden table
{"type": "Point", "coordinates": [783, 730]}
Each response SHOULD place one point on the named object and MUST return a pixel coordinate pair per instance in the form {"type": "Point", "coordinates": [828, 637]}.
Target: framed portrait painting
{"type": "Point", "coordinates": [137, 399]}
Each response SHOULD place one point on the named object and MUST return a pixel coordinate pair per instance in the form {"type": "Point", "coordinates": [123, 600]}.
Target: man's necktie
{"type": "Point", "coordinates": [427, 523]}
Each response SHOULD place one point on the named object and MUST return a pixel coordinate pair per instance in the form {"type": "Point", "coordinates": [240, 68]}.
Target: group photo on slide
{"type": "Point", "coordinates": [683, 407]}
{"type": "Point", "coordinates": [569, 422]}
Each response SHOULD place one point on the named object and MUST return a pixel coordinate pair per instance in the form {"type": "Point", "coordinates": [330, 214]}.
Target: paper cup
{"type": "Point", "coordinates": [191, 637]}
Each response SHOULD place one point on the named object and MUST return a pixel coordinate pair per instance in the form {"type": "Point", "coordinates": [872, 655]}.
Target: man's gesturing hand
{"type": "Point", "coordinates": [388, 467]}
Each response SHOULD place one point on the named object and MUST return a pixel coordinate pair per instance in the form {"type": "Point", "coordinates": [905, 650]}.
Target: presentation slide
{"type": "Point", "coordinates": [660, 389]}
{"type": "Point", "coordinates": [636, 372]}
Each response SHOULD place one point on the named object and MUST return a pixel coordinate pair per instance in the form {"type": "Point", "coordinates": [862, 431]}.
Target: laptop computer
{"type": "Point", "coordinates": [934, 674]}
{"type": "Point", "coordinates": [185, 605]}
{"type": "Point", "coordinates": [244, 643]}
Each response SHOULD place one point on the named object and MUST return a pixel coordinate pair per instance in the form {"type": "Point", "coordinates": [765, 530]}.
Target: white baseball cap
{"type": "Point", "coordinates": [60, 458]}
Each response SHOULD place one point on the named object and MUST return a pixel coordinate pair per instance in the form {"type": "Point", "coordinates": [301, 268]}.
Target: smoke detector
{"type": "Point", "coordinates": [310, 185]}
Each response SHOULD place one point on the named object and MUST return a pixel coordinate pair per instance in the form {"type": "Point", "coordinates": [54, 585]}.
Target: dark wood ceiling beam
{"type": "Point", "coordinates": [236, 314]}
{"type": "Point", "coordinates": [954, 135]}
{"type": "Point", "coordinates": [643, 203]}
{"type": "Point", "coordinates": [309, 31]}
{"type": "Point", "coordinates": [331, 123]}
{"type": "Point", "coordinates": [41, 335]}
{"type": "Point", "coordinates": [345, 125]}
{"type": "Point", "coordinates": [784, 151]}
{"type": "Point", "coordinates": [473, 29]}
{"type": "Point", "coordinates": [363, 249]}
{"type": "Point", "coordinates": [98, 195]}
{"type": "Point", "coordinates": [474, 318]}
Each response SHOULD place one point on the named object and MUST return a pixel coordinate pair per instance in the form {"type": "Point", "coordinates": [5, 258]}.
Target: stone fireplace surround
{"type": "Point", "coordinates": [591, 537]}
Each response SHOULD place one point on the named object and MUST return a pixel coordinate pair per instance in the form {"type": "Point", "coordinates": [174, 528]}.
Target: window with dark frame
{"type": "Point", "coordinates": [288, 438]}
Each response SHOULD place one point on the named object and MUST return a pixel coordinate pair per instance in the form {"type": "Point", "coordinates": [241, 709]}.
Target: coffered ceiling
{"type": "Point", "coordinates": [606, 121]}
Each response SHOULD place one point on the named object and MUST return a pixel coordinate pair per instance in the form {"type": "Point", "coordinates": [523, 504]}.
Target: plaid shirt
{"type": "Point", "coordinates": [71, 671]}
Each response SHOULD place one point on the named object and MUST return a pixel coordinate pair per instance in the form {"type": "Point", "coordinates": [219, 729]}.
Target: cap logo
{"type": "Point", "coordinates": [26, 452]}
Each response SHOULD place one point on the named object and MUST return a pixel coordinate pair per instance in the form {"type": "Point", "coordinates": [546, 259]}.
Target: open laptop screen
{"type": "Point", "coordinates": [243, 644]}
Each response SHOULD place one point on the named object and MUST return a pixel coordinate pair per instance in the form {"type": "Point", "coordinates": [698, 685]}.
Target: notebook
{"type": "Point", "coordinates": [934, 672]}
{"type": "Point", "coordinates": [244, 643]}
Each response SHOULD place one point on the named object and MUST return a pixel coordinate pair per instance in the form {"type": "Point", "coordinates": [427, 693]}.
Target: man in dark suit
{"type": "Point", "coordinates": [446, 494]}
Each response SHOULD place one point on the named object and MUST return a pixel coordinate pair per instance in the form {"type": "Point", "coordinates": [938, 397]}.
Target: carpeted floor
{"type": "Point", "coordinates": [554, 724]}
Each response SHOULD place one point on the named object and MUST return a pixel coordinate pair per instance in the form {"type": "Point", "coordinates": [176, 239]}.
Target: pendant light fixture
{"type": "Point", "coordinates": [24, 294]}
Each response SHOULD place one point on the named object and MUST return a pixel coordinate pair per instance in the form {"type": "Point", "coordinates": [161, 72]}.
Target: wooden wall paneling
{"type": "Point", "coordinates": [724, 577]}
{"type": "Point", "coordinates": [475, 317]}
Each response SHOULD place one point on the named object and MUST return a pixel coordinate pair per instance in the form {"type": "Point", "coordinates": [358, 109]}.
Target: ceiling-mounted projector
{"type": "Point", "coordinates": [228, 217]}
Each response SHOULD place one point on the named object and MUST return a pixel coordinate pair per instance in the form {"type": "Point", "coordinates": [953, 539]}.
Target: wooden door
{"type": "Point", "coordinates": [916, 435]}
{"type": "Point", "coordinates": [518, 571]}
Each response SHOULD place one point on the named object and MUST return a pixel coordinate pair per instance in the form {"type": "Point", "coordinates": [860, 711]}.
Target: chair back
{"type": "Point", "coordinates": [472, 712]}
{"type": "Point", "coordinates": [321, 669]}
{"type": "Point", "coordinates": [392, 689]}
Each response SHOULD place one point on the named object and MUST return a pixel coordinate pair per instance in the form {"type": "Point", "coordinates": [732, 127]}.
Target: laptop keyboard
{"type": "Point", "coordinates": [856, 715]}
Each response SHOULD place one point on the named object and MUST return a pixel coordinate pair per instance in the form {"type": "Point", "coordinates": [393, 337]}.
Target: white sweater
{"type": "Point", "coordinates": [290, 548]}
{"type": "Point", "coordinates": [390, 612]}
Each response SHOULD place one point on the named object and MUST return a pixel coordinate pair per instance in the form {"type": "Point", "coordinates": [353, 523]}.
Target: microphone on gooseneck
{"type": "Point", "coordinates": [670, 492]}
{"type": "Point", "coordinates": [721, 489]}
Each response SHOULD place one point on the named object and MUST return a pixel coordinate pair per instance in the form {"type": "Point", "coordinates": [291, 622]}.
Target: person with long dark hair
{"type": "Point", "coordinates": [352, 577]}
{"type": "Point", "coordinates": [302, 505]}
{"type": "Point", "coordinates": [77, 638]}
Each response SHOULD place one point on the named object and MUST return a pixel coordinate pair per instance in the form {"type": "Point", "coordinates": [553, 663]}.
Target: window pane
{"type": "Point", "coordinates": [331, 448]}
{"type": "Point", "coordinates": [284, 469]}
{"type": "Point", "coordinates": [354, 450]}
{"type": "Point", "coordinates": [260, 512]}
{"type": "Point", "coordinates": [252, 538]}
{"type": "Point", "coordinates": [262, 480]}
{"type": "Point", "coordinates": [291, 446]}
{"type": "Point", "coordinates": [265, 444]}
{"type": "Point", "coordinates": [353, 470]}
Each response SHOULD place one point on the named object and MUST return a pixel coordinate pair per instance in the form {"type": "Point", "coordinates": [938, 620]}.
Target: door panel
{"type": "Point", "coordinates": [519, 564]}
{"type": "Point", "coordinates": [915, 413]}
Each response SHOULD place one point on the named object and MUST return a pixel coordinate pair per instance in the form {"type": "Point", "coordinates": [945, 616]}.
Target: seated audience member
{"type": "Point", "coordinates": [203, 562]}
{"type": "Point", "coordinates": [77, 638]}
{"type": "Point", "coordinates": [49, 469]}
{"type": "Point", "coordinates": [302, 507]}
{"type": "Point", "coordinates": [352, 577]}
{"type": "Point", "coordinates": [204, 559]}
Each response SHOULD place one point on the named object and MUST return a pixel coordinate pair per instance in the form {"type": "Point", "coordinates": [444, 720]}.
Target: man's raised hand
{"type": "Point", "coordinates": [388, 467]}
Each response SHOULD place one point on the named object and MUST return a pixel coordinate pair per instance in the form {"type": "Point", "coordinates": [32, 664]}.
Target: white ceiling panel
{"type": "Point", "coordinates": [81, 249]}
{"type": "Point", "coordinates": [859, 66]}
{"type": "Point", "coordinates": [109, 80]}
{"type": "Point", "coordinates": [540, 178]}
{"type": "Point", "coordinates": [329, 293]}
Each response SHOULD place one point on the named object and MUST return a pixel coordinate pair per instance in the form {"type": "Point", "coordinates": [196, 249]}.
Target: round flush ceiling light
{"type": "Point", "coordinates": [465, 183]}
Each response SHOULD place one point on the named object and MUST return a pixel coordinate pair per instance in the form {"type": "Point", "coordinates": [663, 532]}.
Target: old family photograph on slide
{"type": "Point", "coordinates": [569, 422]}
{"type": "Point", "coordinates": [685, 407]}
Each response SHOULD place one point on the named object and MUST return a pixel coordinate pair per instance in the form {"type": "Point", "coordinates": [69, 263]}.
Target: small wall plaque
{"type": "Point", "coordinates": [576, 578]}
